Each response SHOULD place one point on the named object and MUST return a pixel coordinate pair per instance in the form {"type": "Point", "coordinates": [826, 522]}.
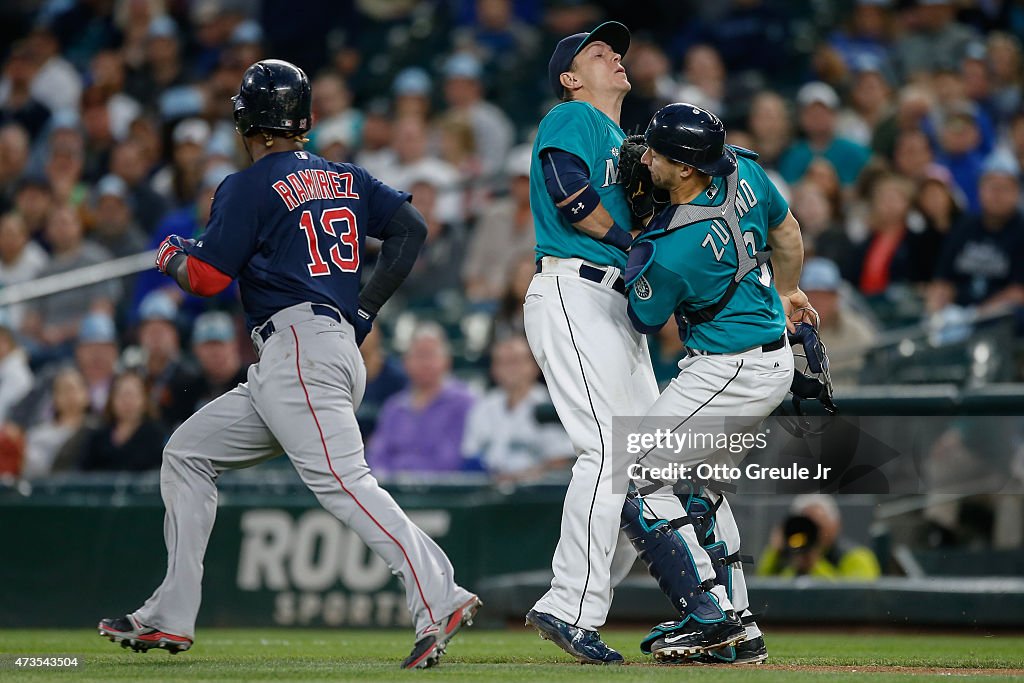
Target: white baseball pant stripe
{"type": "Point", "coordinates": [300, 398]}
{"type": "Point", "coordinates": [596, 367]}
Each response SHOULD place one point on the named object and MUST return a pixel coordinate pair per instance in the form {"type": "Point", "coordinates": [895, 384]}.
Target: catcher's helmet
{"type": "Point", "coordinates": [692, 136]}
{"type": "Point", "coordinates": [275, 96]}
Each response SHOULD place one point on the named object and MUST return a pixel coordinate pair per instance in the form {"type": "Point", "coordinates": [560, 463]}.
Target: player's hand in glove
{"type": "Point", "coordinates": [363, 324]}
{"type": "Point", "coordinates": [644, 199]}
{"type": "Point", "coordinates": [169, 248]}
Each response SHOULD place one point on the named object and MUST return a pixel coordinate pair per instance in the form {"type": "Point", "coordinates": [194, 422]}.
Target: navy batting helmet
{"type": "Point", "coordinates": [692, 136]}
{"type": "Point", "coordinates": [275, 96]}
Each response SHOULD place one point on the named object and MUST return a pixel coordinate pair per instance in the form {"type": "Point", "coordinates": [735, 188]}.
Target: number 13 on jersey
{"type": "Point", "coordinates": [347, 236]}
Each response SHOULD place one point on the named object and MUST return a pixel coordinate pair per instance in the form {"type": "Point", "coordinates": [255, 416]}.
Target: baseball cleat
{"type": "Point", "coordinates": [752, 651]}
{"type": "Point", "coordinates": [432, 642]}
{"type": "Point", "coordinates": [128, 631]}
{"type": "Point", "coordinates": [677, 642]}
{"type": "Point", "coordinates": [586, 646]}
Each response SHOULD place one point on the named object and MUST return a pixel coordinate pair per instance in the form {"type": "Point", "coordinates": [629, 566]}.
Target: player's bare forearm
{"type": "Point", "coordinates": [787, 254]}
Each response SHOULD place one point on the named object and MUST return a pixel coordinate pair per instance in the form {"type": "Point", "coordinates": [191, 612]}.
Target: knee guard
{"type": "Point", "coordinates": [663, 549]}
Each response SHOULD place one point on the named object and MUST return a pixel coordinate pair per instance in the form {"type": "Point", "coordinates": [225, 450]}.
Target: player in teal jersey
{"type": "Point", "coordinates": [704, 259]}
{"type": "Point", "coordinates": [596, 365]}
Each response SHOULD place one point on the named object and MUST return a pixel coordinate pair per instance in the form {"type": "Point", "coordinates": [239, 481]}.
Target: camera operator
{"type": "Point", "coordinates": [808, 544]}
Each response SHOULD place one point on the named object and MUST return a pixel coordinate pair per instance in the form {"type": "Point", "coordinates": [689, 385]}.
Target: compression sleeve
{"type": "Point", "coordinates": [402, 236]}
{"type": "Point", "coordinates": [564, 173]}
{"type": "Point", "coordinates": [205, 279]}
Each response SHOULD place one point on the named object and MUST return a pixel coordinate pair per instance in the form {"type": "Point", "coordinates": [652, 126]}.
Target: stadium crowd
{"type": "Point", "coordinates": [895, 128]}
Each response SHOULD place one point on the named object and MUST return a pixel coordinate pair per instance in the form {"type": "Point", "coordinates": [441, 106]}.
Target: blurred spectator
{"type": "Point", "coordinates": [15, 375]}
{"type": "Point", "coordinates": [95, 356]}
{"type": "Point", "coordinates": [14, 152]}
{"type": "Point", "coordinates": [912, 156]}
{"type": "Point", "coordinates": [420, 429]}
{"type": "Point", "coordinates": [56, 83]}
{"type": "Point", "coordinates": [808, 543]}
{"type": "Point", "coordinates": [412, 161]}
{"type": "Point", "coordinates": [463, 92]}
{"type": "Point", "coordinates": [867, 33]}
{"type": "Point", "coordinates": [847, 334]}
{"type": "Point", "coordinates": [108, 78]}
{"type": "Point", "coordinates": [437, 268]}
{"type": "Point", "coordinates": [21, 259]}
{"type": "Point", "coordinates": [335, 118]}
{"type": "Point", "coordinates": [871, 100]}
{"type": "Point", "coordinates": [981, 261]}
{"type": "Point", "coordinates": [179, 181]}
{"type": "Point", "coordinates": [648, 70]}
{"type": "Point", "coordinates": [128, 161]}
{"type": "Point", "coordinates": [168, 377]}
{"type": "Point", "coordinates": [114, 227]}
{"type": "Point", "coordinates": [54, 445]}
{"type": "Point", "coordinates": [458, 148]}
{"type": "Point", "coordinates": [54, 319]}
{"type": "Point", "coordinates": [502, 432]}
{"type": "Point", "coordinates": [503, 234]}
{"type": "Point", "coordinates": [133, 20]}
{"type": "Point", "coordinates": [961, 150]}
{"type": "Point", "coordinates": [497, 37]}
{"type": "Point", "coordinates": [934, 39]}
{"type": "Point", "coordinates": [1006, 74]}
{"type": "Point", "coordinates": [129, 437]}
{"type": "Point", "coordinates": [939, 204]}
{"type": "Point", "coordinates": [17, 105]}
{"type": "Point", "coordinates": [99, 136]}
{"type": "Point", "coordinates": [162, 68]}
{"type": "Point", "coordinates": [32, 201]}
{"type": "Point", "coordinates": [819, 108]}
{"type": "Point", "coordinates": [384, 378]}
{"type": "Point", "coordinates": [771, 125]}
{"type": "Point", "coordinates": [411, 91]}
{"type": "Point", "coordinates": [823, 235]}
{"type": "Point", "coordinates": [508, 320]}
{"type": "Point", "coordinates": [65, 166]}
{"type": "Point", "coordinates": [704, 81]}
{"type": "Point", "coordinates": [215, 347]}
{"type": "Point", "coordinates": [915, 105]}
{"type": "Point", "coordinates": [375, 152]}
{"type": "Point", "coordinates": [887, 256]}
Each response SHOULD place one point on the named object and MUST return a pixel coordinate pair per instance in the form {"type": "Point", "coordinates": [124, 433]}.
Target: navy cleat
{"type": "Point", "coordinates": [130, 632]}
{"type": "Point", "coordinates": [586, 646]}
{"type": "Point", "coordinates": [678, 641]}
{"type": "Point", "coordinates": [752, 651]}
{"type": "Point", "coordinates": [432, 642]}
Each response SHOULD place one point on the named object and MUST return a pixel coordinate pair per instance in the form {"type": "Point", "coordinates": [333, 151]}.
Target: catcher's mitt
{"type": "Point", "coordinates": [644, 199]}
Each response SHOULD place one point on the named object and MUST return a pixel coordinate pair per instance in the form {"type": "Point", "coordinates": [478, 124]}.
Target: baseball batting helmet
{"type": "Point", "coordinates": [692, 136]}
{"type": "Point", "coordinates": [274, 95]}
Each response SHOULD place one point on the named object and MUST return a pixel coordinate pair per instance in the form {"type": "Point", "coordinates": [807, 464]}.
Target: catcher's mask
{"type": "Point", "coordinates": [811, 382]}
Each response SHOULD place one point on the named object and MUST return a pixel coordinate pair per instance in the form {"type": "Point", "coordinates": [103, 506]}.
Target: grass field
{"type": "Point", "coordinates": [511, 655]}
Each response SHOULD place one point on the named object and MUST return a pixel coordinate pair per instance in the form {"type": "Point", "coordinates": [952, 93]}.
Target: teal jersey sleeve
{"type": "Point", "coordinates": [580, 129]}
{"type": "Point", "coordinates": [654, 297]}
{"type": "Point", "coordinates": [567, 129]}
{"type": "Point", "coordinates": [776, 206]}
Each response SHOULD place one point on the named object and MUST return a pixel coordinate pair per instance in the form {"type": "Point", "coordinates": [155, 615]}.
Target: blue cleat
{"type": "Point", "coordinates": [586, 646]}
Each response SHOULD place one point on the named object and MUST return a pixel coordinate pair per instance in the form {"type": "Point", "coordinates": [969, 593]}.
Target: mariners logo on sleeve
{"type": "Point", "coordinates": [642, 289]}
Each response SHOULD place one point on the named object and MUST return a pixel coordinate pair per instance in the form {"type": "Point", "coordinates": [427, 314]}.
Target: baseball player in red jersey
{"type": "Point", "coordinates": [291, 229]}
